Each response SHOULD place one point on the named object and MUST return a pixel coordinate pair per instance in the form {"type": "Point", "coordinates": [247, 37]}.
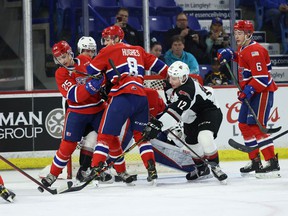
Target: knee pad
{"type": "Point", "coordinates": [206, 140]}
{"type": "Point", "coordinates": [89, 142]}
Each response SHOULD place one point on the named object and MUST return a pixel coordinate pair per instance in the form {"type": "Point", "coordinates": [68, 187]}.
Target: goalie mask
{"type": "Point", "coordinates": [179, 69]}
{"type": "Point", "coordinates": [86, 43]}
{"type": "Point", "coordinates": [112, 33]}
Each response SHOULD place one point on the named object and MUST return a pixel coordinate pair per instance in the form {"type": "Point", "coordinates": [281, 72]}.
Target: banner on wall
{"type": "Point", "coordinates": [31, 122]}
{"type": "Point", "coordinates": [203, 4]}
{"type": "Point", "coordinates": [230, 107]}
{"type": "Point", "coordinates": [209, 14]}
{"type": "Point", "coordinates": [35, 123]}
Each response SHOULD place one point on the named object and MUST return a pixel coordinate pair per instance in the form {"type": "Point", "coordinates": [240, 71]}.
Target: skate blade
{"type": "Point", "coordinates": [130, 184]}
{"type": "Point", "coordinates": [269, 175]}
{"type": "Point", "coordinates": [246, 175]}
{"type": "Point", "coordinates": [223, 182]}
{"type": "Point", "coordinates": [153, 182]}
{"type": "Point", "coordinates": [111, 181]}
{"type": "Point", "coordinates": [201, 178]}
{"type": "Point", "coordinates": [10, 199]}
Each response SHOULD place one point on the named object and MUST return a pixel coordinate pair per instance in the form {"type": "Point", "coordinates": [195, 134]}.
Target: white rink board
{"type": "Point", "coordinates": [230, 106]}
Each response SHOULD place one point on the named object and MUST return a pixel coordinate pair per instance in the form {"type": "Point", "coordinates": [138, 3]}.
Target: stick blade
{"type": "Point", "coordinates": [241, 147]}
{"type": "Point", "coordinates": [273, 130]}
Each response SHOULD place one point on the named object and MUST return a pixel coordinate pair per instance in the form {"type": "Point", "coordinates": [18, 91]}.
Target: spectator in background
{"type": "Point", "coordinates": [216, 76]}
{"type": "Point", "coordinates": [156, 49]}
{"type": "Point", "coordinates": [273, 10]}
{"type": "Point", "coordinates": [217, 38]}
{"type": "Point", "coordinates": [132, 36]}
{"type": "Point", "coordinates": [177, 53]}
{"type": "Point", "coordinates": [194, 43]}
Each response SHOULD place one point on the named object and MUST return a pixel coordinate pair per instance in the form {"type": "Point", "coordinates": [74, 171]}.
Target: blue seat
{"type": "Point", "coordinates": [160, 23]}
{"type": "Point", "coordinates": [105, 8]}
{"type": "Point", "coordinates": [259, 13]}
{"type": "Point", "coordinates": [165, 7]}
{"type": "Point", "coordinates": [158, 26]}
{"type": "Point", "coordinates": [284, 35]}
{"type": "Point", "coordinates": [68, 18]}
{"type": "Point", "coordinates": [135, 8]}
{"type": "Point", "coordinates": [204, 69]}
{"type": "Point", "coordinates": [193, 23]}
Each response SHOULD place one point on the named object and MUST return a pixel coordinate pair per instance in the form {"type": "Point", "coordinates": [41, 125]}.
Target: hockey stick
{"type": "Point", "coordinates": [212, 164]}
{"type": "Point", "coordinates": [249, 149]}
{"type": "Point", "coordinates": [262, 128]}
{"type": "Point", "coordinates": [52, 191]}
{"type": "Point", "coordinates": [80, 187]}
{"type": "Point", "coordinates": [111, 62]}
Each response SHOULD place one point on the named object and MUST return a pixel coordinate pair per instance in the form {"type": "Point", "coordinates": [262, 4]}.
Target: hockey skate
{"type": "Point", "coordinates": [6, 194]}
{"type": "Point", "coordinates": [252, 165]}
{"type": "Point", "coordinates": [219, 174]}
{"type": "Point", "coordinates": [201, 172]}
{"type": "Point", "coordinates": [83, 176]}
{"type": "Point", "coordinates": [152, 172]}
{"type": "Point", "coordinates": [128, 179]}
{"type": "Point", "coordinates": [48, 180]}
{"type": "Point", "coordinates": [271, 170]}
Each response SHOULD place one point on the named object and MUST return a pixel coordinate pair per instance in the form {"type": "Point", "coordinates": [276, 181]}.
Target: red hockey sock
{"type": "Point", "coordinates": [62, 157]}
{"type": "Point", "coordinates": [1, 181]}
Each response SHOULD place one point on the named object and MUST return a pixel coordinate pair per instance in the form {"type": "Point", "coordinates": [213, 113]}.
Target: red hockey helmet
{"type": "Point", "coordinates": [244, 25]}
{"type": "Point", "coordinates": [112, 32]}
{"type": "Point", "coordinates": [60, 48]}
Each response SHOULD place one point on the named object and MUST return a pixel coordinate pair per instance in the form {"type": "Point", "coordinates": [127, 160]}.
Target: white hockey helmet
{"type": "Point", "coordinates": [179, 69]}
{"type": "Point", "coordinates": [86, 43]}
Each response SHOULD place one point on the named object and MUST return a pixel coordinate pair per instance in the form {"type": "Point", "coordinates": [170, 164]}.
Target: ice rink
{"type": "Point", "coordinates": [173, 196]}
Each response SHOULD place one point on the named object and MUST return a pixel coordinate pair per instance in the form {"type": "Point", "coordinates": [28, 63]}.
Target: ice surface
{"type": "Point", "coordinates": [173, 196]}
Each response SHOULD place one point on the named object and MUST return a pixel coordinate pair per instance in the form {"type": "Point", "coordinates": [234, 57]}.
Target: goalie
{"type": "Point", "coordinates": [188, 99]}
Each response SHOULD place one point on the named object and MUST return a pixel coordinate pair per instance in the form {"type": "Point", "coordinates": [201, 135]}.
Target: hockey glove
{"type": "Point", "coordinates": [246, 93]}
{"type": "Point", "coordinates": [152, 129]}
{"type": "Point", "coordinates": [94, 85]}
{"type": "Point", "coordinates": [227, 54]}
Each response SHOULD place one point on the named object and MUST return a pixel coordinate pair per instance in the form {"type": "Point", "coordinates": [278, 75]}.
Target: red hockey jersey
{"type": "Point", "coordinates": [131, 63]}
{"type": "Point", "coordinates": [72, 87]}
{"type": "Point", "coordinates": [254, 68]}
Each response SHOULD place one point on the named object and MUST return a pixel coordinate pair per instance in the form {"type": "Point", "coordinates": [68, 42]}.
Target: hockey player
{"type": "Point", "coordinates": [127, 100]}
{"type": "Point", "coordinates": [87, 49]}
{"type": "Point", "coordinates": [188, 99]}
{"type": "Point", "coordinates": [6, 194]}
{"type": "Point", "coordinates": [258, 88]}
{"type": "Point", "coordinates": [85, 105]}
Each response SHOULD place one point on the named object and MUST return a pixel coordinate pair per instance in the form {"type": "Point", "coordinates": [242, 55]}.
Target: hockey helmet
{"type": "Point", "coordinates": [113, 32]}
{"type": "Point", "coordinates": [244, 25]}
{"type": "Point", "coordinates": [179, 69]}
{"type": "Point", "coordinates": [86, 43]}
{"type": "Point", "coordinates": [61, 48]}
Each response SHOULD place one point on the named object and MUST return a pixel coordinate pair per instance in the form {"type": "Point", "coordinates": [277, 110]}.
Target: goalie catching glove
{"type": "Point", "coordinates": [152, 129]}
